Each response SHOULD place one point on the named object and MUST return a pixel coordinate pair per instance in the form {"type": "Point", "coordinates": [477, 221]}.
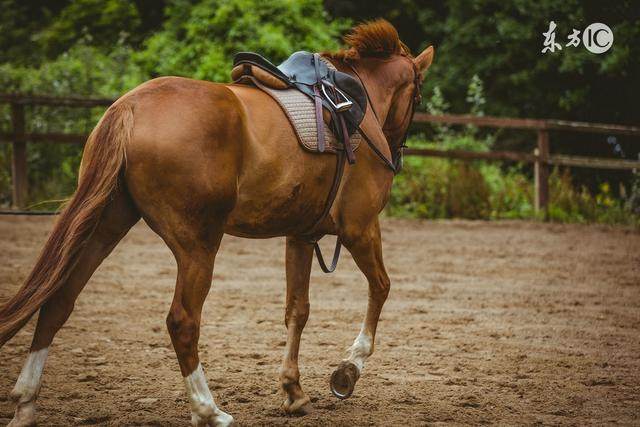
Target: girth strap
{"type": "Point", "coordinates": [335, 186]}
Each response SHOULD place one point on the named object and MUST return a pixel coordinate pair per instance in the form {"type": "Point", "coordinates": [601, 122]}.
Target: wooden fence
{"type": "Point", "coordinates": [541, 156]}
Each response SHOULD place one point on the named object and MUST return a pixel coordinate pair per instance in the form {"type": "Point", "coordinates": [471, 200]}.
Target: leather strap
{"type": "Point", "coordinates": [378, 153]}
{"type": "Point", "coordinates": [334, 261]}
{"type": "Point", "coordinates": [317, 97]}
{"type": "Point", "coordinates": [372, 132]}
{"type": "Point", "coordinates": [346, 140]}
{"type": "Point", "coordinates": [337, 178]}
{"type": "Point", "coordinates": [366, 92]}
{"type": "Point", "coordinates": [335, 185]}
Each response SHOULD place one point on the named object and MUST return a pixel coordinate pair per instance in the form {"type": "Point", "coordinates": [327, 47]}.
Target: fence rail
{"type": "Point", "coordinates": [541, 158]}
{"type": "Point", "coordinates": [531, 124]}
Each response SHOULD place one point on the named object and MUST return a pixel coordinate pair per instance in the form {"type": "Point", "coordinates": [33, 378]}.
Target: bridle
{"type": "Point", "coordinates": [416, 99]}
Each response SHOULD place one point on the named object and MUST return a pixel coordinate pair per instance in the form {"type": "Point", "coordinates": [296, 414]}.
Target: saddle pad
{"type": "Point", "coordinates": [300, 110]}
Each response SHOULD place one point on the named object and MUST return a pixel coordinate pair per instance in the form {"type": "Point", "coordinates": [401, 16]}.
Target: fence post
{"type": "Point", "coordinates": [542, 172]}
{"type": "Point", "coordinates": [19, 160]}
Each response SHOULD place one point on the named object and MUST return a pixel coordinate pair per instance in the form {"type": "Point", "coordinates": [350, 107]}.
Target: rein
{"type": "Point", "coordinates": [416, 99]}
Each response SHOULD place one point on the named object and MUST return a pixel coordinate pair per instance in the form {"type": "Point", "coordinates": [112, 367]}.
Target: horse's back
{"type": "Point", "coordinates": [178, 110]}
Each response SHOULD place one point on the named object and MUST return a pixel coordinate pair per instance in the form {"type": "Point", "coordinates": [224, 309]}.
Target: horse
{"type": "Point", "coordinates": [196, 160]}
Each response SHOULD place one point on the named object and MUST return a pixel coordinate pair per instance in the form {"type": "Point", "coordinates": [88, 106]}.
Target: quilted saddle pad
{"type": "Point", "coordinates": [300, 110]}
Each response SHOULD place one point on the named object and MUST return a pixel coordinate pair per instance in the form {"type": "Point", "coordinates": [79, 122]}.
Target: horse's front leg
{"type": "Point", "coordinates": [366, 249]}
{"type": "Point", "coordinates": [298, 261]}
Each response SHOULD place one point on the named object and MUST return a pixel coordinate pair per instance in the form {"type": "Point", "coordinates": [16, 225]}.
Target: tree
{"type": "Point", "coordinates": [198, 39]}
{"type": "Point", "coordinates": [501, 42]}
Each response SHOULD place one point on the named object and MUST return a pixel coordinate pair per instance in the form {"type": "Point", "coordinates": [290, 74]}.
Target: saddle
{"type": "Point", "coordinates": [335, 92]}
{"type": "Point", "coordinates": [338, 95]}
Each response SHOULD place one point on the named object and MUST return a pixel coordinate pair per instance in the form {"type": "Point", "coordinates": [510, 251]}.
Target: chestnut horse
{"type": "Point", "coordinates": [196, 160]}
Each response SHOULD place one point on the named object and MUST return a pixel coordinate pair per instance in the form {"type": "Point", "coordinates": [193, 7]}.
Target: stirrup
{"type": "Point", "coordinates": [334, 261]}
{"type": "Point", "coordinates": [340, 106]}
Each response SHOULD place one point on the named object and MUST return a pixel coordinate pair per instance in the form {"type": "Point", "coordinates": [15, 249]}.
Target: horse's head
{"type": "Point", "coordinates": [391, 76]}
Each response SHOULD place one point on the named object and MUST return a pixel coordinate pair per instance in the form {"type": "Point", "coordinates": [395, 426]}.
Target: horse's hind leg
{"type": "Point", "coordinates": [117, 218]}
{"type": "Point", "coordinates": [366, 250]}
{"type": "Point", "coordinates": [195, 250]}
{"type": "Point", "coordinates": [299, 258]}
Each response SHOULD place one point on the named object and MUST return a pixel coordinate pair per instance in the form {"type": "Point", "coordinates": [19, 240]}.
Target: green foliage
{"type": "Point", "coordinates": [501, 42]}
{"type": "Point", "coordinates": [633, 201]}
{"type": "Point", "coordinates": [92, 48]}
{"type": "Point", "coordinates": [35, 31]}
{"type": "Point", "coordinates": [438, 188]}
{"type": "Point", "coordinates": [199, 39]}
{"type": "Point", "coordinates": [83, 70]}
{"type": "Point", "coordinates": [510, 191]}
{"type": "Point", "coordinates": [579, 205]}
{"type": "Point", "coordinates": [475, 96]}
{"type": "Point", "coordinates": [103, 22]}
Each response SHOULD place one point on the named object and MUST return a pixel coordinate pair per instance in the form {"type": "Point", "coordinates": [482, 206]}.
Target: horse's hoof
{"type": "Point", "coordinates": [216, 419]}
{"type": "Point", "coordinates": [223, 419]}
{"type": "Point", "coordinates": [301, 406]}
{"type": "Point", "coordinates": [343, 380]}
{"type": "Point", "coordinates": [25, 415]}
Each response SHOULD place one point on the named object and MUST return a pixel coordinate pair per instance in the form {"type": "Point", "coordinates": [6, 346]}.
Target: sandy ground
{"type": "Point", "coordinates": [508, 323]}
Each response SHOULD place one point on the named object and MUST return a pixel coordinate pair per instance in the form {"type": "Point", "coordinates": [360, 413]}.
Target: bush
{"type": "Point", "coordinates": [438, 188]}
{"type": "Point", "coordinates": [83, 70]}
{"type": "Point", "coordinates": [568, 204]}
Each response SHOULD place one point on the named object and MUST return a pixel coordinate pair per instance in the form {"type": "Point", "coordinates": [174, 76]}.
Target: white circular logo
{"type": "Point", "coordinates": [597, 37]}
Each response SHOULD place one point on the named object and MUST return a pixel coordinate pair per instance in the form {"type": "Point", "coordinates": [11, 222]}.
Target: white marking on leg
{"type": "Point", "coordinates": [27, 387]}
{"type": "Point", "coordinates": [360, 350]}
{"type": "Point", "coordinates": [204, 411]}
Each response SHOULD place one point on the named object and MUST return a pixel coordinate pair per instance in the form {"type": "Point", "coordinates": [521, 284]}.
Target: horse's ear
{"type": "Point", "coordinates": [424, 60]}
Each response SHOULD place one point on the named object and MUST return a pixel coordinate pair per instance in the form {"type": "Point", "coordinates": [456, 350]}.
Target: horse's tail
{"type": "Point", "coordinates": [102, 163]}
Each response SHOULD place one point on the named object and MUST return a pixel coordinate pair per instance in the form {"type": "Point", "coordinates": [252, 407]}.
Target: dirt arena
{"type": "Point", "coordinates": [505, 322]}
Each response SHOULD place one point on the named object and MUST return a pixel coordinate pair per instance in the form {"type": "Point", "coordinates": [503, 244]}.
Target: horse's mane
{"type": "Point", "coordinates": [371, 39]}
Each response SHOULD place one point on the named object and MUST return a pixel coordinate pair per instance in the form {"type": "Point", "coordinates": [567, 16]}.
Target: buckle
{"type": "Point", "coordinates": [341, 105]}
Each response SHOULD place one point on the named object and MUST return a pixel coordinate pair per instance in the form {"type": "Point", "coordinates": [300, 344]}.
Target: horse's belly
{"type": "Point", "coordinates": [291, 209]}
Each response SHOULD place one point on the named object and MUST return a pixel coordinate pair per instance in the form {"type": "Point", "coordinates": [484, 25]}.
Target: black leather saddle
{"type": "Point", "coordinates": [339, 93]}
